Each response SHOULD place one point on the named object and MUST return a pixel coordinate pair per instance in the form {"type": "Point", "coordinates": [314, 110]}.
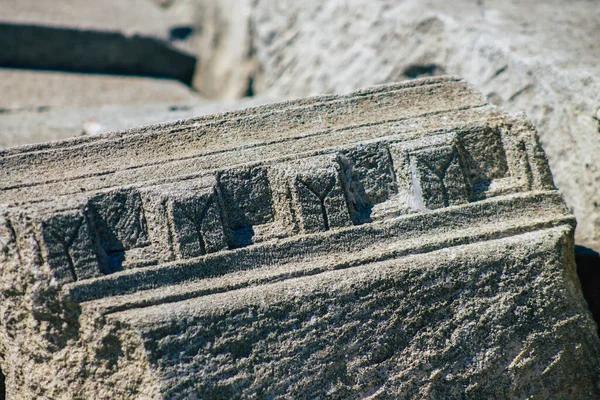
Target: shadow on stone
{"type": "Point", "coordinates": [588, 270]}
{"type": "Point", "coordinates": [2, 386]}
{"type": "Point", "coordinates": [73, 50]}
{"type": "Point", "coordinates": [417, 71]}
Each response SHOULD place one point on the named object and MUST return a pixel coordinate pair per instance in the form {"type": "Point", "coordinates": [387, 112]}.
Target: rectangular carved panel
{"type": "Point", "coordinates": [439, 176]}
{"type": "Point", "coordinates": [71, 249]}
{"type": "Point", "coordinates": [317, 194]}
{"type": "Point", "coordinates": [197, 223]}
{"type": "Point", "coordinates": [119, 220]}
{"type": "Point", "coordinates": [247, 201]}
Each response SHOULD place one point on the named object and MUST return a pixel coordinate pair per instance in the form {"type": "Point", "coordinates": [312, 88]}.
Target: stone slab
{"type": "Point", "coordinates": [404, 328]}
{"type": "Point", "coordinates": [41, 90]}
{"type": "Point", "coordinates": [216, 31]}
{"type": "Point", "coordinates": [89, 36]}
{"type": "Point", "coordinates": [400, 241]}
{"type": "Point", "coordinates": [134, 17]}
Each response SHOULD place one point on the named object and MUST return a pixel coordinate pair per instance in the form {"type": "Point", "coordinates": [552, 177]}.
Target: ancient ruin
{"type": "Point", "coordinates": [402, 241]}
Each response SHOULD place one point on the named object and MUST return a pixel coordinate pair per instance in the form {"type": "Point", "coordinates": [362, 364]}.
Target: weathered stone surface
{"type": "Point", "coordinates": [37, 90]}
{"type": "Point", "coordinates": [543, 58]}
{"type": "Point", "coordinates": [90, 36]}
{"type": "Point", "coordinates": [43, 124]}
{"type": "Point", "coordinates": [403, 241]}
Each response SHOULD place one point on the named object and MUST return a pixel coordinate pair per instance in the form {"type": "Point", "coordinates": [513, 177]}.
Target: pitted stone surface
{"type": "Point", "coordinates": [400, 241]}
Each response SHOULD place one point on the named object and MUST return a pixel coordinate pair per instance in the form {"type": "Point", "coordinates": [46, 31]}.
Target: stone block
{"type": "Point", "coordinates": [315, 193]}
{"type": "Point", "coordinates": [402, 241]}
{"type": "Point", "coordinates": [247, 193]}
{"type": "Point", "coordinates": [119, 223]}
{"type": "Point", "coordinates": [28, 126]}
{"type": "Point", "coordinates": [70, 246]}
{"type": "Point", "coordinates": [197, 223]}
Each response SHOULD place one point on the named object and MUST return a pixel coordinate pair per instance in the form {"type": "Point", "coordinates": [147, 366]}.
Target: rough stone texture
{"type": "Point", "coordinates": [403, 241]}
{"type": "Point", "coordinates": [540, 57]}
{"type": "Point", "coordinates": [90, 36]}
{"type": "Point", "coordinates": [34, 89]}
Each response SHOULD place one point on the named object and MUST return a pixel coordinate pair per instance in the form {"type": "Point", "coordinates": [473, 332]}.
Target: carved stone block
{"type": "Point", "coordinates": [401, 241]}
{"type": "Point", "coordinates": [247, 201]}
{"type": "Point", "coordinates": [439, 177]}
{"type": "Point", "coordinates": [315, 194]}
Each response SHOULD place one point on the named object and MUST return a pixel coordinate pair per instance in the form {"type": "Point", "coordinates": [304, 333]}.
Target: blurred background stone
{"type": "Point", "coordinates": [88, 36]}
{"type": "Point", "coordinates": [53, 123]}
{"type": "Point", "coordinates": [32, 89]}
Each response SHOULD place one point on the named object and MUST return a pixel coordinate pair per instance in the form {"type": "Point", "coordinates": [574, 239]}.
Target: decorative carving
{"type": "Point", "coordinates": [70, 247]}
{"type": "Point", "coordinates": [247, 201]}
{"type": "Point", "coordinates": [317, 199]}
{"type": "Point", "coordinates": [293, 227]}
{"type": "Point", "coordinates": [119, 220]}
{"type": "Point", "coordinates": [438, 177]}
{"type": "Point", "coordinates": [197, 223]}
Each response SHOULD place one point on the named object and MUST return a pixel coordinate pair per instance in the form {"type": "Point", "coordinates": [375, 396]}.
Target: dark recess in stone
{"type": "Point", "coordinates": [72, 50]}
{"type": "Point", "coordinates": [2, 386]}
{"type": "Point", "coordinates": [417, 70]}
{"type": "Point", "coordinates": [250, 89]}
{"type": "Point", "coordinates": [588, 270]}
{"type": "Point", "coordinates": [180, 32]}
{"type": "Point", "coordinates": [180, 108]}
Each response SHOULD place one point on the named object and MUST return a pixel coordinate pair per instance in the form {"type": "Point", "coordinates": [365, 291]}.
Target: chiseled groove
{"type": "Point", "coordinates": [207, 172]}
{"type": "Point", "coordinates": [451, 241]}
{"type": "Point", "coordinates": [341, 239]}
{"type": "Point", "coordinates": [280, 107]}
{"type": "Point", "coordinates": [322, 132]}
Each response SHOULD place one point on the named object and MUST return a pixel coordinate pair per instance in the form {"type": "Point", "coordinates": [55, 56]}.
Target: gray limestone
{"type": "Point", "coordinates": [402, 241]}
